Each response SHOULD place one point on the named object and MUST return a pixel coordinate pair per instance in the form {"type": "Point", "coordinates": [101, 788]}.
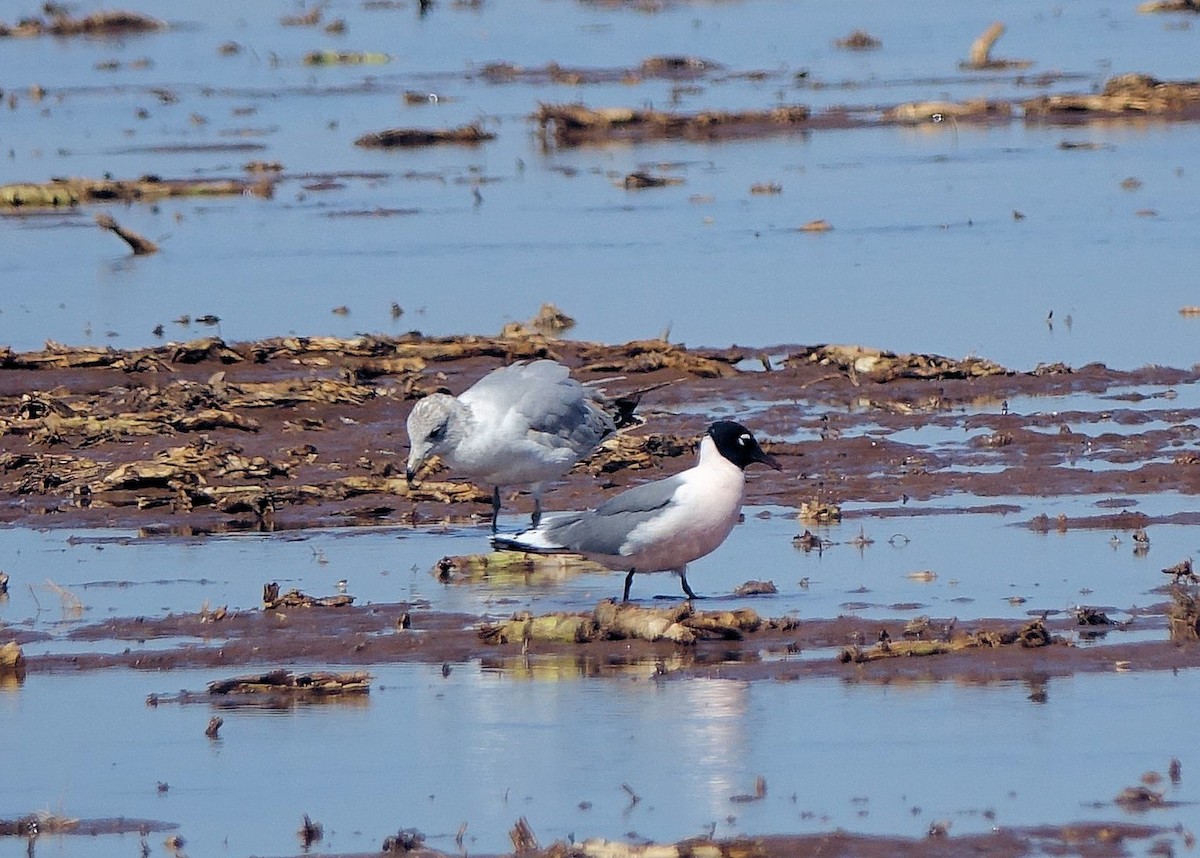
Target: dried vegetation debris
{"type": "Point", "coordinates": [59, 22]}
{"type": "Point", "coordinates": [500, 565]}
{"type": "Point", "coordinates": [1123, 95]}
{"type": "Point", "coordinates": [60, 192]}
{"type": "Point", "coordinates": [879, 365]}
{"type": "Point", "coordinates": [1031, 635]}
{"type": "Point", "coordinates": [346, 58]}
{"type": "Point", "coordinates": [12, 659]}
{"type": "Point", "coordinates": [611, 620]}
{"type": "Point", "coordinates": [32, 825]}
{"type": "Point", "coordinates": [1152, 6]}
{"type": "Point", "coordinates": [140, 245]}
{"type": "Point", "coordinates": [271, 688]}
{"type": "Point", "coordinates": [239, 402]}
{"type": "Point", "coordinates": [1183, 615]}
{"type": "Point", "coordinates": [859, 40]}
{"type": "Point", "coordinates": [273, 600]}
{"type": "Point", "coordinates": [972, 110]}
{"type": "Point", "coordinates": [407, 138]}
{"type": "Point", "coordinates": [644, 356]}
{"type": "Point", "coordinates": [980, 57]}
{"type": "Point", "coordinates": [669, 67]}
{"type": "Point", "coordinates": [309, 684]}
{"type": "Point", "coordinates": [577, 124]}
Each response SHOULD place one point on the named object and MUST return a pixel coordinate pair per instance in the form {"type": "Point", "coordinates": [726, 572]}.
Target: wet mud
{"type": "Point", "coordinates": [212, 437]}
{"type": "Point", "coordinates": [207, 436]}
{"type": "Point", "coordinates": [1085, 840]}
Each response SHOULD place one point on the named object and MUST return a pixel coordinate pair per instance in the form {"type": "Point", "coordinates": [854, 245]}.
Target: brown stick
{"type": "Point", "coordinates": [139, 245]}
{"type": "Point", "coordinates": [981, 48]}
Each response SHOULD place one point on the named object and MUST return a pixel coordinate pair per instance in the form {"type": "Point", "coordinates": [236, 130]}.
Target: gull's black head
{"type": "Point", "coordinates": [736, 444]}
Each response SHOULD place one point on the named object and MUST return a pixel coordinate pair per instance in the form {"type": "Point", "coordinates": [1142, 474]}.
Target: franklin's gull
{"type": "Point", "coordinates": [663, 525]}
{"type": "Point", "coordinates": [523, 424]}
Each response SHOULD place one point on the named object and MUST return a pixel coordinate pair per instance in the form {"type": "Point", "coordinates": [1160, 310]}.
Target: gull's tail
{"type": "Point", "coordinates": [530, 540]}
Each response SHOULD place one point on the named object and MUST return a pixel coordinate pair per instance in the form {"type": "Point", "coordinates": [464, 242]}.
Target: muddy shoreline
{"type": "Point", "coordinates": [210, 437]}
{"type": "Point", "coordinates": [309, 432]}
{"type": "Point", "coordinates": [302, 433]}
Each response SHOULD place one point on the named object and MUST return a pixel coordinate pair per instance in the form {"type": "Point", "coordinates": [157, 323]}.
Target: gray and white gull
{"type": "Point", "coordinates": [524, 424]}
{"type": "Point", "coordinates": [659, 526]}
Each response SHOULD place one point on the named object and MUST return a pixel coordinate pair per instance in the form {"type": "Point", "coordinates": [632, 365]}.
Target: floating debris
{"type": "Point", "coordinates": [677, 66]}
{"type": "Point", "coordinates": [808, 541]}
{"type": "Point", "coordinates": [1139, 798]}
{"type": "Point", "coordinates": [1032, 635]}
{"type": "Point", "coordinates": [403, 841]}
{"type": "Point", "coordinates": [12, 660]}
{"type": "Point", "coordinates": [139, 245]}
{"type": "Point", "coordinates": [819, 225]}
{"type": "Point", "coordinates": [756, 588]}
{"type": "Point", "coordinates": [392, 138]}
{"type": "Point", "coordinates": [214, 726]}
{"type": "Point", "coordinates": [921, 112]}
{"type": "Point", "coordinates": [522, 837]}
{"type": "Point", "coordinates": [575, 124]}
{"type": "Point", "coordinates": [60, 23]}
{"type": "Point", "coordinates": [273, 601]}
{"type": "Point", "coordinates": [1169, 6]}
{"type": "Point", "coordinates": [309, 19]}
{"type": "Point", "coordinates": [819, 511]}
{"type": "Point", "coordinates": [76, 191]}
{"type": "Point", "coordinates": [1183, 572]}
{"type": "Point", "coordinates": [980, 57]}
{"type": "Point", "coordinates": [640, 179]}
{"type": "Point", "coordinates": [880, 365]}
{"type": "Point", "coordinates": [1123, 95]}
{"type": "Point", "coordinates": [550, 321]}
{"type": "Point", "coordinates": [345, 58]}
{"type": "Point", "coordinates": [1183, 616]}
{"type": "Point", "coordinates": [35, 824]}
{"type": "Point", "coordinates": [511, 565]}
{"type": "Point", "coordinates": [1091, 617]}
{"type": "Point", "coordinates": [760, 792]}
{"type": "Point", "coordinates": [310, 832]}
{"type": "Point", "coordinates": [313, 684]}
{"type": "Point", "coordinates": [611, 620]}
{"type": "Point", "coordinates": [859, 40]}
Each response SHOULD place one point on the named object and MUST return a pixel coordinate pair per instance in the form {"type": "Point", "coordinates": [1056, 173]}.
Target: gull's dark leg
{"type": "Point", "coordinates": [683, 580]}
{"type": "Point", "coordinates": [495, 507]}
{"type": "Point", "coordinates": [628, 581]}
{"type": "Point", "coordinates": [536, 491]}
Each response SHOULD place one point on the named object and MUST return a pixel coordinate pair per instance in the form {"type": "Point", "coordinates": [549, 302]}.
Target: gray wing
{"type": "Point", "coordinates": [540, 398]}
{"type": "Point", "coordinates": [605, 529]}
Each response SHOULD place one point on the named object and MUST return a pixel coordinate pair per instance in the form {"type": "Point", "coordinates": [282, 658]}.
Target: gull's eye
{"type": "Point", "coordinates": [438, 433]}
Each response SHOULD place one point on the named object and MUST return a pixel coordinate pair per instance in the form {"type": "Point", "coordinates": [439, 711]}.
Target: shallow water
{"type": "Point", "coordinates": [925, 254]}
{"type": "Point", "coordinates": [459, 749]}
{"type": "Point", "coordinates": [983, 565]}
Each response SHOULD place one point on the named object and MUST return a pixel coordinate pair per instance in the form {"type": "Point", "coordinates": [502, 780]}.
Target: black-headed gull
{"type": "Point", "coordinates": [663, 525]}
{"type": "Point", "coordinates": [524, 424]}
